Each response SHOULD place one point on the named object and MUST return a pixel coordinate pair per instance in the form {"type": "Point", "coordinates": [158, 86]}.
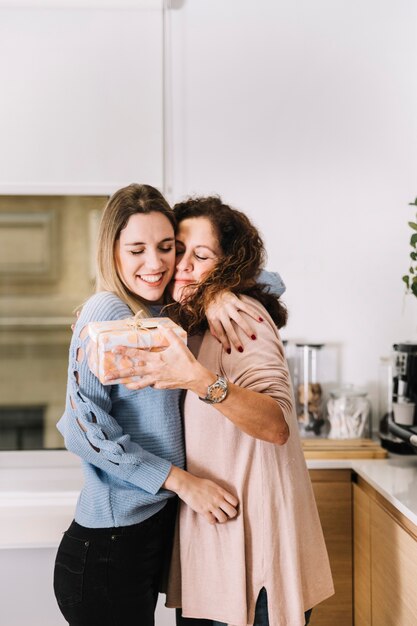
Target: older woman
{"type": "Point", "coordinates": [269, 564]}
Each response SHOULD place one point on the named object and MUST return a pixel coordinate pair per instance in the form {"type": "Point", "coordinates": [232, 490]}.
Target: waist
{"type": "Point", "coordinates": [167, 512]}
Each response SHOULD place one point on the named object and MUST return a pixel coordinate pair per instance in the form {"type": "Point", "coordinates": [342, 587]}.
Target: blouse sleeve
{"type": "Point", "coordinates": [88, 427]}
{"type": "Point", "coordinates": [262, 365]}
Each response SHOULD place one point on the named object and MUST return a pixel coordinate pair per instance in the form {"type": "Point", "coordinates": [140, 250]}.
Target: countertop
{"type": "Point", "coordinates": [37, 503]}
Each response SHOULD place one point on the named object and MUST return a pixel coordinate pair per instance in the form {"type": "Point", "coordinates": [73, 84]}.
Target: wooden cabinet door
{"type": "Point", "coordinates": [333, 492]}
{"type": "Point", "coordinates": [393, 571]}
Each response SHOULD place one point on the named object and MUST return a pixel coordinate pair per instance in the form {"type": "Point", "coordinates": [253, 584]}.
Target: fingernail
{"type": "Point", "coordinates": [228, 351]}
{"type": "Point", "coordinates": [240, 349]}
{"type": "Point", "coordinates": [261, 319]}
{"type": "Point", "coordinates": [253, 337]}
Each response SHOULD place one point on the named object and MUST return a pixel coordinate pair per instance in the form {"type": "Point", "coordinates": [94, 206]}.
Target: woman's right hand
{"type": "Point", "coordinates": [203, 495]}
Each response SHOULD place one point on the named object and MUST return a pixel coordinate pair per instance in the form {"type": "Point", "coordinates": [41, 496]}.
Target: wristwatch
{"type": "Point", "coordinates": [217, 391]}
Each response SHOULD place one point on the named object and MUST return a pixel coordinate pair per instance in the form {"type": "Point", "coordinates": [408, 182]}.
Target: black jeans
{"type": "Point", "coordinates": [261, 615]}
{"type": "Point", "coordinates": [111, 576]}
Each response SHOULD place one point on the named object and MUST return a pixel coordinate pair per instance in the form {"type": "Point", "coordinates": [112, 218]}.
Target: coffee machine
{"type": "Point", "coordinates": [398, 426]}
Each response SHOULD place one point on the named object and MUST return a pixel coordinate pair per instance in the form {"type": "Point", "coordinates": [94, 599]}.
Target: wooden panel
{"type": "Point", "coordinates": [361, 557]}
{"type": "Point", "coordinates": [334, 503]}
{"type": "Point", "coordinates": [390, 508]}
{"type": "Point", "coordinates": [321, 448]}
{"type": "Point", "coordinates": [393, 571]}
{"type": "Point", "coordinates": [331, 475]}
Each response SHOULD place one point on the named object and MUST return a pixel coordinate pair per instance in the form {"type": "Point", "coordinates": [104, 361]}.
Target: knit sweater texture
{"type": "Point", "coordinates": [127, 440]}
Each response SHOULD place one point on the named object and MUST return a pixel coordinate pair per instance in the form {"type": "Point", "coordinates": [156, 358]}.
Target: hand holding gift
{"type": "Point", "coordinates": [174, 368]}
{"type": "Point", "coordinates": [140, 335]}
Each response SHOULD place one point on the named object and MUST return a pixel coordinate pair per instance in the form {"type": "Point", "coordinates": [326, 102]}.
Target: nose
{"type": "Point", "coordinates": [184, 262]}
{"type": "Point", "coordinates": [155, 260]}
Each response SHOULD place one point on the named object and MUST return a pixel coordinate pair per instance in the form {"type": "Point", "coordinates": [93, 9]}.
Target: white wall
{"type": "Point", "coordinates": [303, 114]}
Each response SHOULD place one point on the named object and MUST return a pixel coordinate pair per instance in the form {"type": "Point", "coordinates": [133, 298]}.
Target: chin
{"type": "Point", "coordinates": [180, 293]}
{"type": "Point", "coordinates": [149, 295]}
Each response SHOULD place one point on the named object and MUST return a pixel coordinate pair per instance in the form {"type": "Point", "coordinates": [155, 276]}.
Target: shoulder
{"type": "Point", "coordinates": [102, 306]}
{"type": "Point", "coordinates": [261, 362]}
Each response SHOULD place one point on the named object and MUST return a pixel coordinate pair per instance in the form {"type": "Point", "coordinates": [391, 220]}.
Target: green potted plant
{"type": "Point", "coordinates": [410, 278]}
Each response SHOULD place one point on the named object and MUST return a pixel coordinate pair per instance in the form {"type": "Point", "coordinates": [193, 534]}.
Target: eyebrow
{"type": "Point", "coordinates": [143, 243]}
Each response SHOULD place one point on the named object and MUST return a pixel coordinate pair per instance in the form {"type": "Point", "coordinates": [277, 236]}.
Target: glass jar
{"type": "Point", "coordinates": [348, 413]}
{"type": "Point", "coordinates": [308, 389]}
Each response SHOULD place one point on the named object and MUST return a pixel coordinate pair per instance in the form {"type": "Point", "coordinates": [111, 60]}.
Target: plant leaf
{"type": "Point", "coordinates": [414, 289]}
{"type": "Point", "coordinates": [413, 225]}
{"type": "Point", "coordinates": [413, 240]}
{"type": "Point", "coordinates": [413, 203]}
{"type": "Point", "coordinates": [406, 279]}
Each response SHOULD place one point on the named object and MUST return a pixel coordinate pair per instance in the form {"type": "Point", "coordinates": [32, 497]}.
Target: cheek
{"type": "Point", "coordinates": [203, 271]}
{"type": "Point", "coordinates": [127, 263]}
{"type": "Point", "coordinates": [170, 261]}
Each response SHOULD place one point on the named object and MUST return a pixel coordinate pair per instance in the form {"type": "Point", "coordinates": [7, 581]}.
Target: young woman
{"type": "Point", "coordinates": [130, 442]}
{"type": "Point", "coordinates": [269, 565]}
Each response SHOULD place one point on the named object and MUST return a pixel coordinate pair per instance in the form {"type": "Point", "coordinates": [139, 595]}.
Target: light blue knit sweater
{"type": "Point", "coordinates": [127, 440]}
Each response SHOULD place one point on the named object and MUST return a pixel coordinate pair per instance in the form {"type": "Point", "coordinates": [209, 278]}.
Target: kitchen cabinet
{"type": "Point", "coordinates": [38, 492]}
{"type": "Point", "coordinates": [333, 492]}
{"type": "Point", "coordinates": [385, 561]}
{"type": "Point", "coordinates": [81, 111]}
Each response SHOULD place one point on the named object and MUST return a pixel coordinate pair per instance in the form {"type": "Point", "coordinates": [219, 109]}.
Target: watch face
{"type": "Point", "coordinates": [217, 392]}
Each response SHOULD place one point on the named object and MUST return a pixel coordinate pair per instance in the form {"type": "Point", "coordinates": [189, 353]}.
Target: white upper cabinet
{"type": "Point", "coordinates": [81, 100]}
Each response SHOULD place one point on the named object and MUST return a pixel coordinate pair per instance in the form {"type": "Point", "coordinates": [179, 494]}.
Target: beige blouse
{"type": "Point", "coordinates": [276, 540]}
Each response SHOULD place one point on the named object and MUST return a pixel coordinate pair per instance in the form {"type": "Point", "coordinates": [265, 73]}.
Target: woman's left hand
{"type": "Point", "coordinates": [173, 368]}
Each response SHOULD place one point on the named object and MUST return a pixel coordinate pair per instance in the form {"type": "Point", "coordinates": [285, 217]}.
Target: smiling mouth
{"type": "Point", "coordinates": [151, 279]}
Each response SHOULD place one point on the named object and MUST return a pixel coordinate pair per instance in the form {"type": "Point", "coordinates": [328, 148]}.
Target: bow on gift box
{"type": "Point", "coordinates": [137, 322]}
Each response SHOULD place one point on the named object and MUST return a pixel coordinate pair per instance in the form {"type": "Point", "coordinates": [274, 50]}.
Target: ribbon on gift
{"type": "Point", "coordinates": [137, 322]}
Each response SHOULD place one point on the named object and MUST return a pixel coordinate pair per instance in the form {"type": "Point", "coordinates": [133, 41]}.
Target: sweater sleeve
{"type": "Point", "coordinates": [262, 366]}
{"type": "Point", "coordinates": [273, 281]}
{"type": "Point", "coordinates": [88, 427]}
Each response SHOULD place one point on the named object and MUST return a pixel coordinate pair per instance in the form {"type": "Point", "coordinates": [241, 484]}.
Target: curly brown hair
{"type": "Point", "coordinates": [237, 270]}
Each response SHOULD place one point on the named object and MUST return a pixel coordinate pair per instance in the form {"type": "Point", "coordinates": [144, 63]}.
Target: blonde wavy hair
{"type": "Point", "coordinates": [121, 206]}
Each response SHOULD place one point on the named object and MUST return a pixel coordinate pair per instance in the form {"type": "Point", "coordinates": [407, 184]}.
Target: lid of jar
{"type": "Point", "coordinates": [310, 345]}
{"type": "Point", "coordinates": [348, 391]}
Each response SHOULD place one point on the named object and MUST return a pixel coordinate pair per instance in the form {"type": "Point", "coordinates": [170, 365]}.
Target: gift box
{"type": "Point", "coordinates": [132, 332]}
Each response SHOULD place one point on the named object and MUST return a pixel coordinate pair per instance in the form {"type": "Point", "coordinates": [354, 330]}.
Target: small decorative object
{"type": "Point", "coordinates": [410, 279]}
{"type": "Point", "coordinates": [348, 412]}
{"type": "Point", "coordinates": [309, 393]}
{"type": "Point", "coordinates": [132, 332]}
